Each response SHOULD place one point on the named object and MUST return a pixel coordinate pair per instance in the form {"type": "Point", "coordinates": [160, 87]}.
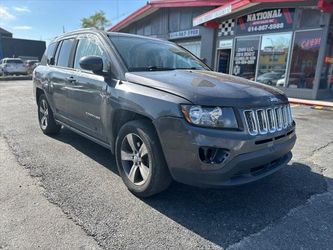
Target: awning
{"type": "Point", "coordinates": [232, 7]}
{"type": "Point", "coordinates": [154, 5]}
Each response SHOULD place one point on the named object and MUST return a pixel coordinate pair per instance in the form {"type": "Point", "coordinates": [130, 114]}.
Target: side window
{"type": "Point", "coordinates": [65, 52]}
{"type": "Point", "coordinates": [88, 47]}
{"type": "Point", "coordinates": [49, 53]}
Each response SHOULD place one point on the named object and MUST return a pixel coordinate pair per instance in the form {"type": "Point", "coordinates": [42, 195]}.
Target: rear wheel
{"type": "Point", "coordinates": [45, 117]}
{"type": "Point", "coordinates": [140, 159]}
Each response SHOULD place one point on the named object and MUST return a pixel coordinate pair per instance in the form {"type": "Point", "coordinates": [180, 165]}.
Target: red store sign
{"type": "Point", "coordinates": [310, 43]}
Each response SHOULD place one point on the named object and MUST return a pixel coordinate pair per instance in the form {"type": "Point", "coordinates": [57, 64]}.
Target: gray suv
{"type": "Point", "coordinates": [162, 112]}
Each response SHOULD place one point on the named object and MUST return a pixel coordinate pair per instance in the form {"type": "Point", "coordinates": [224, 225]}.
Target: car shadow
{"type": "Point", "coordinates": [222, 216]}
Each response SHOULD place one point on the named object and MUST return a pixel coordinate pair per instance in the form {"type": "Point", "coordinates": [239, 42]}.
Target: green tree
{"type": "Point", "coordinates": [98, 20]}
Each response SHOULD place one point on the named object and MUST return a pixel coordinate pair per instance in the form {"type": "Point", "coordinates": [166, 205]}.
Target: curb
{"type": "Point", "coordinates": [315, 104]}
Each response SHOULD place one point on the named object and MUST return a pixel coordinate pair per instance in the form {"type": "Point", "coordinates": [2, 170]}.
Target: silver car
{"type": "Point", "coordinates": [12, 66]}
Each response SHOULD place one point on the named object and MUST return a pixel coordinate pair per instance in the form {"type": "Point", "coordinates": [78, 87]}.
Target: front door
{"type": "Point", "coordinates": [87, 92]}
{"type": "Point", "coordinates": [223, 60]}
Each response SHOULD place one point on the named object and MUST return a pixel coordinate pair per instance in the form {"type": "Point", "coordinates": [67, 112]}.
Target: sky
{"type": "Point", "coordinates": [45, 19]}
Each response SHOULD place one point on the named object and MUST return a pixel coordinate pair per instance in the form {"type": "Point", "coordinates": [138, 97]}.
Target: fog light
{"type": "Point", "coordinates": [212, 155]}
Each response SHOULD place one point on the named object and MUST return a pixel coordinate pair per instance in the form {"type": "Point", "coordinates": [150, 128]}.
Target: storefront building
{"type": "Point", "coordinates": [288, 44]}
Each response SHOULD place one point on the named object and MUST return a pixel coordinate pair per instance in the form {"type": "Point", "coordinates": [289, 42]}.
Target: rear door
{"type": "Point", "coordinates": [87, 93]}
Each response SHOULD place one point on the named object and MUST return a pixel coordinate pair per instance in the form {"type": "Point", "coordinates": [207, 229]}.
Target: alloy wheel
{"type": "Point", "coordinates": [135, 159]}
{"type": "Point", "coordinates": [43, 113]}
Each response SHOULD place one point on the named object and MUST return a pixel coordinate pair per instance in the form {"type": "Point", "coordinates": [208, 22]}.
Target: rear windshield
{"type": "Point", "coordinates": [142, 54]}
{"type": "Point", "coordinates": [14, 61]}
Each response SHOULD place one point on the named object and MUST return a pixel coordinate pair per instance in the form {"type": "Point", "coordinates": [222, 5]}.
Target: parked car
{"type": "Point", "coordinates": [162, 112]}
{"type": "Point", "coordinates": [281, 82]}
{"type": "Point", "coordinates": [270, 78]}
{"type": "Point", "coordinates": [31, 65]}
{"type": "Point", "coordinates": [297, 80]}
{"type": "Point", "coordinates": [12, 66]}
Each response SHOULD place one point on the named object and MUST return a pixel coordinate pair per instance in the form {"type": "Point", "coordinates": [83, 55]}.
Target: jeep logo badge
{"type": "Point", "coordinates": [273, 99]}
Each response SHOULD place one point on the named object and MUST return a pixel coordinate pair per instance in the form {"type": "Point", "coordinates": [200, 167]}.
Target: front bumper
{"type": "Point", "coordinates": [247, 159]}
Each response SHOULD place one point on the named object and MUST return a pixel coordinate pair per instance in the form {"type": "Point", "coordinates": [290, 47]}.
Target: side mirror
{"type": "Point", "coordinates": [92, 63]}
{"type": "Point", "coordinates": [204, 60]}
{"type": "Point", "coordinates": [50, 61]}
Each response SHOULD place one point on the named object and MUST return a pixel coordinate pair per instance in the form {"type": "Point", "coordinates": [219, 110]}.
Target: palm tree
{"type": "Point", "coordinates": [98, 20]}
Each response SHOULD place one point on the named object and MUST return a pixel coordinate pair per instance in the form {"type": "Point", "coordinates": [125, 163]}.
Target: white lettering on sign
{"type": "Point", "coordinates": [219, 12]}
{"type": "Point", "coordinates": [264, 15]}
{"type": "Point", "coordinates": [184, 33]}
{"type": "Point", "coordinates": [245, 56]}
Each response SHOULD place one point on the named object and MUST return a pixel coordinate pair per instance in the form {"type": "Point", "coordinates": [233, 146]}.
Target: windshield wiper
{"type": "Point", "coordinates": [150, 68]}
{"type": "Point", "coordinates": [194, 68]}
{"type": "Point", "coordinates": [158, 68]}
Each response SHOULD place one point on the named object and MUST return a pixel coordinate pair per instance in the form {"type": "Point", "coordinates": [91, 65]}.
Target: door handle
{"type": "Point", "coordinates": [71, 79]}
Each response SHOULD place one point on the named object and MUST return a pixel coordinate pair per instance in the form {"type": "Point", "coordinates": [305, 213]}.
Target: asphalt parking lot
{"type": "Point", "coordinates": [88, 206]}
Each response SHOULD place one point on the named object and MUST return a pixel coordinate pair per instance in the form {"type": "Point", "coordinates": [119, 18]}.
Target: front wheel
{"type": "Point", "coordinates": [140, 159]}
{"type": "Point", "coordinates": [45, 117]}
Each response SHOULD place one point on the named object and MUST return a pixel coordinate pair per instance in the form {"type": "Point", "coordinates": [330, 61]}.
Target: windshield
{"type": "Point", "coordinates": [14, 61]}
{"type": "Point", "coordinates": [141, 54]}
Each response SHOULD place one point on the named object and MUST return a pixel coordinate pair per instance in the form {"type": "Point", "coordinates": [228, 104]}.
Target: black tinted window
{"type": "Point", "coordinates": [16, 61]}
{"type": "Point", "coordinates": [65, 52]}
{"type": "Point", "coordinates": [88, 47]}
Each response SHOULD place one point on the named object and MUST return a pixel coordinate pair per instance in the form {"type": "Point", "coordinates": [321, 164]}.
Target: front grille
{"type": "Point", "coordinates": [268, 120]}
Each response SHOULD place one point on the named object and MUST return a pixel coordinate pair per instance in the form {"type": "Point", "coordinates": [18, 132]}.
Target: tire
{"type": "Point", "coordinates": [147, 174]}
{"type": "Point", "coordinates": [45, 117]}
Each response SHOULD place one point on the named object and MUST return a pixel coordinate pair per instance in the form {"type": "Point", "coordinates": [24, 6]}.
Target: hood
{"type": "Point", "coordinates": [210, 88]}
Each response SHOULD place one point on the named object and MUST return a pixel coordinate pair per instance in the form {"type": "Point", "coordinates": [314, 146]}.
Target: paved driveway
{"type": "Point", "coordinates": [292, 209]}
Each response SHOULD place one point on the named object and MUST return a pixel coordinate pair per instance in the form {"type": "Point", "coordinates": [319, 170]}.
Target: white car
{"type": "Point", "coordinates": [281, 82]}
{"type": "Point", "coordinates": [12, 66]}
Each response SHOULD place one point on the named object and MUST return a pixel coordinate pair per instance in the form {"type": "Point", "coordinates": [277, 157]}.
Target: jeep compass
{"type": "Point", "coordinates": [162, 112]}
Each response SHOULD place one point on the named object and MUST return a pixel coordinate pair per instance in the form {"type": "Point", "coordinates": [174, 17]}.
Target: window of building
{"type": "Point", "coordinates": [88, 47]}
{"type": "Point", "coordinates": [193, 47]}
{"type": "Point", "coordinates": [273, 58]}
{"type": "Point", "coordinates": [326, 79]}
{"type": "Point", "coordinates": [246, 55]}
{"type": "Point", "coordinates": [304, 59]}
{"type": "Point", "coordinates": [65, 52]}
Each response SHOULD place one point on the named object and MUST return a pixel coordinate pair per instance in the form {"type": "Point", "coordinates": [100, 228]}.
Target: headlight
{"type": "Point", "coordinates": [217, 117]}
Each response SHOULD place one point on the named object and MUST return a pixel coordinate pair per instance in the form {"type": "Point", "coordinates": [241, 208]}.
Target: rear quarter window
{"type": "Point", "coordinates": [49, 53]}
